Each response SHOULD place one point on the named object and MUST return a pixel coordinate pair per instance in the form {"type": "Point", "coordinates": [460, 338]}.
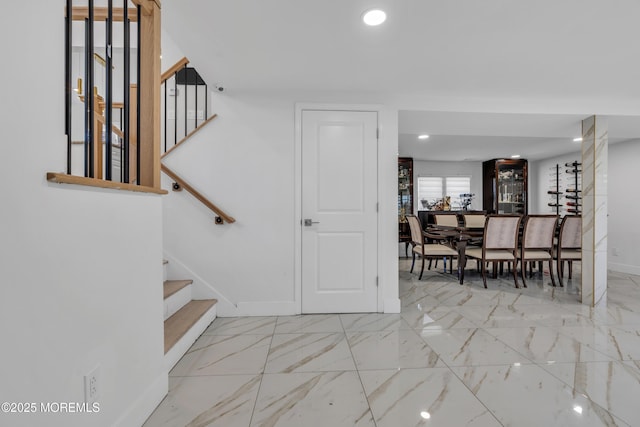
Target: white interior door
{"type": "Point", "coordinates": [339, 211]}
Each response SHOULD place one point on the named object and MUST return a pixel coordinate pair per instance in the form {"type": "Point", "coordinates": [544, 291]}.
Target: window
{"type": "Point", "coordinates": [431, 189]}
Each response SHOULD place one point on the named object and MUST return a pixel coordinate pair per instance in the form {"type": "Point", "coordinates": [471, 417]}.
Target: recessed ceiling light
{"type": "Point", "coordinates": [425, 415]}
{"type": "Point", "coordinates": [515, 156]}
{"type": "Point", "coordinates": [374, 17]}
{"type": "Point", "coordinates": [578, 139]}
{"type": "Point", "coordinates": [423, 136]}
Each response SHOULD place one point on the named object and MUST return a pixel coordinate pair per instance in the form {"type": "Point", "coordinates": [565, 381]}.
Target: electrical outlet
{"type": "Point", "coordinates": [92, 386]}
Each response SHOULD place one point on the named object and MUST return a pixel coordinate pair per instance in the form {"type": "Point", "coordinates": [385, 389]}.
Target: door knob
{"type": "Point", "coordinates": [308, 222]}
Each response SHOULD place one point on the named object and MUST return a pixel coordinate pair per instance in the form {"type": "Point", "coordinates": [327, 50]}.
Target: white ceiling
{"type": "Point", "coordinates": [570, 56]}
{"type": "Point", "coordinates": [480, 136]}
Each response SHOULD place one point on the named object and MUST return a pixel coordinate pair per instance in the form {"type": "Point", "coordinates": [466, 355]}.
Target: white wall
{"type": "Point", "coordinates": [171, 53]}
{"type": "Point", "coordinates": [244, 162]}
{"type": "Point", "coordinates": [429, 168]}
{"type": "Point", "coordinates": [81, 268]}
{"type": "Point", "coordinates": [623, 203]}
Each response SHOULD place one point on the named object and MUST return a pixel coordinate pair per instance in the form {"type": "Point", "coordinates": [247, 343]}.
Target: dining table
{"type": "Point", "coordinates": [458, 238]}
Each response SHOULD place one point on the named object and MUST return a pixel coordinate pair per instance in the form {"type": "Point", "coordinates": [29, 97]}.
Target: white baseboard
{"type": "Point", "coordinates": [392, 305]}
{"type": "Point", "coordinates": [139, 410]}
{"type": "Point", "coordinates": [624, 268]}
{"type": "Point", "coordinates": [266, 308]}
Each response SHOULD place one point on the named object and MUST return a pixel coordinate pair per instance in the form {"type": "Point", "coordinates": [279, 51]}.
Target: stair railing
{"type": "Point", "coordinates": [185, 106]}
{"type": "Point", "coordinates": [185, 110]}
{"type": "Point", "coordinates": [109, 133]}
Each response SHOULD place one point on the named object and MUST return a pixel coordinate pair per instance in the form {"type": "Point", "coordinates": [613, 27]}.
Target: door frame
{"type": "Point", "coordinates": [387, 228]}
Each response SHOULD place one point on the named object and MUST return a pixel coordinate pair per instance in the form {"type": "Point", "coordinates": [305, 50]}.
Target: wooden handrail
{"type": "Point", "coordinates": [200, 126]}
{"type": "Point", "coordinates": [80, 13]}
{"type": "Point", "coordinates": [197, 195]}
{"type": "Point", "coordinates": [174, 68]}
{"type": "Point", "coordinates": [63, 178]}
{"type": "Point", "coordinates": [117, 131]}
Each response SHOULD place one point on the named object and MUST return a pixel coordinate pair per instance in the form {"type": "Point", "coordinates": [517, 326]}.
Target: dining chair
{"type": "Point", "coordinates": [537, 243]}
{"type": "Point", "coordinates": [425, 249]}
{"type": "Point", "coordinates": [500, 243]}
{"type": "Point", "coordinates": [473, 220]}
{"type": "Point", "coordinates": [447, 220]}
{"type": "Point", "coordinates": [569, 246]}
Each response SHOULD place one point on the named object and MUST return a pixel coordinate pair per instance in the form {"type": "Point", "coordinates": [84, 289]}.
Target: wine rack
{"type": "Point", "coordinates": [573, 191]}
{"type": "Point", "coordinates": [554, 190]}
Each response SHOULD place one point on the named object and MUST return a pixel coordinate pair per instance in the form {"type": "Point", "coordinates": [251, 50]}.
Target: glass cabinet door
{"type": "Point", "coordinates": [405, 196]}
{"type": "Point", "coordinates": [511, 189]}
{"type": "Point", "coordinates": [504, 186]}
{"type": "Point", "coordinates": [405, 202]}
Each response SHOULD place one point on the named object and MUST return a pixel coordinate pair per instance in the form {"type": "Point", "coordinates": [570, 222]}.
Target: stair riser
{"type": "Point", "coordinates": [182, 346]}
{"type": "Point", "coordinates": [176, 301]}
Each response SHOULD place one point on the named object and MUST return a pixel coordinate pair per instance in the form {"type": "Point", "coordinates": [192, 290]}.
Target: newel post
{"type": "Point", "coordinates": [149, 132]}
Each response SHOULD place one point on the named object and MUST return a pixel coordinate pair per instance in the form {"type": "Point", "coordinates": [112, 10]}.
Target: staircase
{"type": "Point", "coordinates": [185, 112]}
{"type": "Point", "coordinates": [185, 319]}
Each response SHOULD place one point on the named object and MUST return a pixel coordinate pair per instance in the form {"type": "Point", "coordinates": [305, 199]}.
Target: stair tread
{"type": "Point", "coordinates": [177, 325]}
{"type": "Point", "coordinates": [172, 286]}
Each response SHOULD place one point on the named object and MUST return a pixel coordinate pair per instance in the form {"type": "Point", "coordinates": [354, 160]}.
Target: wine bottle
{"type": "Point", "coordinates": [574, 164]}
{"type": "Point", "coordinates": [554, 192]}
{"type": "Point", "coordinates": [573, 190]}
{"type": "Point", "coordinates": [555, 205]}
{"type": "Point", "coordinates": [573, 197]}
{"type": "Point", "coordinates": [573, 170]}
{"type": "Point", "coordinates": [573, 204]}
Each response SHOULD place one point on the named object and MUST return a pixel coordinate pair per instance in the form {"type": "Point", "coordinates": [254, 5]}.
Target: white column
{"type": "Point", "coordinates": [595, 144]}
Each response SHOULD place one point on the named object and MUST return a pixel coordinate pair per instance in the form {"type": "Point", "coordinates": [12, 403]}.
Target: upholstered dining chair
{"type": "Point", "coordinates": [500, 243]}
{"type": "Point", "coordinates": [447, 220]}
{"type": "Point", "coordinates": [473, 220]}
{"type": "Point", "coordinates": [569, 246]}
{"type": "Point", "coordinates": [537, 243]}
{"type": "Point", "coordinates": [427, 250]}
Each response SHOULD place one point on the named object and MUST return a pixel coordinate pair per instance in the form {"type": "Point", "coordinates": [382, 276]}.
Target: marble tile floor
{"type": "Point", "coordinates": [455, 356]}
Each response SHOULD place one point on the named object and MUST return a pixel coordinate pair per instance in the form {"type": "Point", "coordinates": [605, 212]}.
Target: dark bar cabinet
{"type": "Point", "coordinates": [505, 186]}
